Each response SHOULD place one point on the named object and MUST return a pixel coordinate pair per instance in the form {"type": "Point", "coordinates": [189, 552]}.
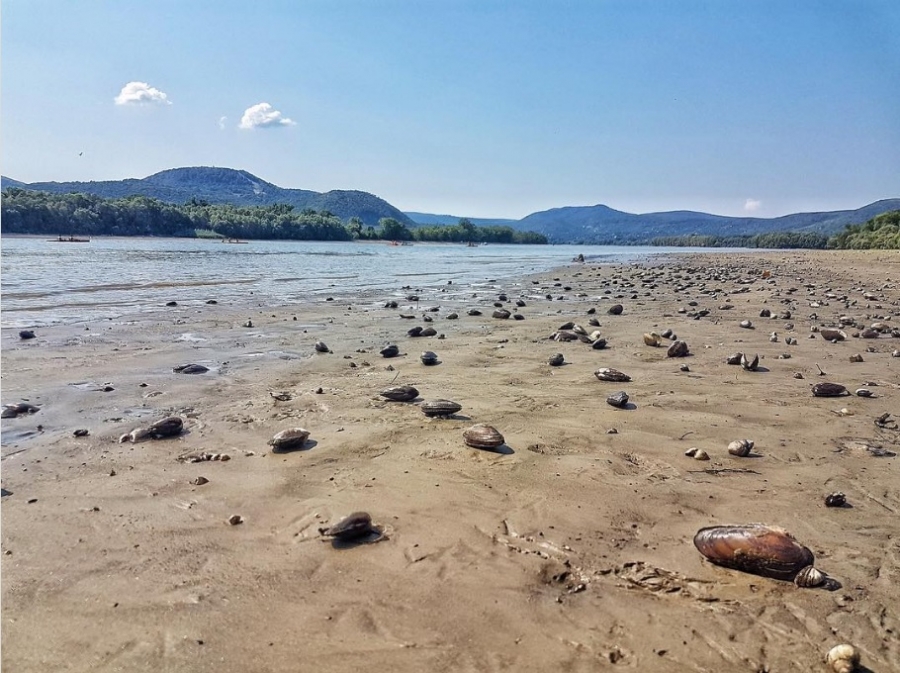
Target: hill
{"type": "Point", "coordinates": [230, 186]}
{"type": "Point", "coordinates": [601, 224]}
{"type": "Point", "coordinates": [441, 220]}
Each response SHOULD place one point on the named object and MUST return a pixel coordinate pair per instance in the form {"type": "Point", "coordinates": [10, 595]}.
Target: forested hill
{"type": "Point", "coordinates": [228, 186]}
{"type": "Point", "coordinates": [601, 224]}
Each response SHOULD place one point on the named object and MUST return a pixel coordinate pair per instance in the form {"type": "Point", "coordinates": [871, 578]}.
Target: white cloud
{"type": "Point", "coordinates": [222, 121]}
{"type": "Point", "coordinates": [752, 205]}
{"type": "Point", "coordinates": [139, 93]}
{"type": "Point", "coordinates": [263, 115]}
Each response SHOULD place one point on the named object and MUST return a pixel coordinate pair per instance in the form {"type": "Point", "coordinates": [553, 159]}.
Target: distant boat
{"type": "Point", "coordinates": [68, 239]}
{"type": "Point", "coordinates": [233, 240]}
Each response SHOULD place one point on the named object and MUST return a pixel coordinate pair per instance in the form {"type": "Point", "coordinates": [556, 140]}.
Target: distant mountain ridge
{"type": "Point", "coordinates": [597, 224]}
{"type": "Point", "coordinates": [604, 225]}
{"type": "Point", "coordinates": [226, 185]}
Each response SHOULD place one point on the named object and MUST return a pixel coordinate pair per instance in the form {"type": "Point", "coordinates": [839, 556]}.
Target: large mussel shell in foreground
{"type": "Point", "coordinates": [754, 548]}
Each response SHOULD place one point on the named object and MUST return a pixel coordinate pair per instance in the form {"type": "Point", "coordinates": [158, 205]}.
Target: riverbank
{"type": "Point", "coordinates": [570, 549]}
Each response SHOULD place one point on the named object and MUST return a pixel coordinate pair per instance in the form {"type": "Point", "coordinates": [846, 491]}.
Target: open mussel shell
{"type": "Point", "coordinates": [826, 389]}
{"type": "Point", "coordinates": [400, 393]}
{"type": "Point", "coordinates": [288, 440]}
{"type": "Point", "coordinates": [754, 548]}
{"type": "Point", "coordinates": [483, 436]}
{"type": "Point", "coordinates": [748, 364]}
{"type": "Point", "coordinates": [352, 527]}
{"type": "Point", "coordinates": [440, 407]}
{"type": "Point", "coordinates": [167, 427]}
{"type": "Point", "coordinates": [610, 374]}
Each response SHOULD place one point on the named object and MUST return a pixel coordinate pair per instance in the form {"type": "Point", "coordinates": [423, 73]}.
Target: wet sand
{"type": "Point", "coordinates": [570, 549]}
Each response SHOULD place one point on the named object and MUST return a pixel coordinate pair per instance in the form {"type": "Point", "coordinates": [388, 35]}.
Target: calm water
{"type": "Point", "coordinates": [45, 282]}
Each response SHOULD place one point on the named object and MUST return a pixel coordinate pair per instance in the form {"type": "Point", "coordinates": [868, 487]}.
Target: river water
{"type": "Point", "coordinates": [46, 282]}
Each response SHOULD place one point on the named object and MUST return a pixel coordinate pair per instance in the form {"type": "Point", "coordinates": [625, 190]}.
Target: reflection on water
{"type": "Point", "coordinates": [112, 277]}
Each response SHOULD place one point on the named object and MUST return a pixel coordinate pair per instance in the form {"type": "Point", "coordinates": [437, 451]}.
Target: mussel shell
{"type": "Point", "coordinates": [754, 548]}
{"type": "Point", "coordinates": [190, 369]}
{"type": "Point", "coordinates": [810, 576]}
{"type": "Point", "coordinates": [428, 332]}
{"type": "Point", "coordinates": [615, 309]}
{"type": "Point", "coordinates": [598, 344]}
{"type": "Point", "coordinates": [286, 440]}
{"type": "Point", "coordinates": [415, 331]}
{"type": "Point", "coordinates": [750, 365]}
{"type": "Point", "coordinates": [556, 360]}
{"type": "Point", "coordinates": [830, 334]}
{"type": "Point", "coordinates": [610, 374]}
{"type": "Point", "coordinates": [836, 499]}
{"type": "Point", "coordinates": [400, 393]}
{"type": "Point", "coordinates": [26, 334]}
{"type": "Point", "coordinates": [825, 389]}
{"type": "Point", "coordinates": [618, 399]}
{"type": "Point", "coordinates": [473, 311]}
{"type": "Point", "coordinates": [321, 347]}
{"type": "Point", "coordinates": [391, 351]}
{"type": "Point", "coordinates": [651, 338]}
{"type": "Point", "coordinates": [740, 448]}
{"type": "Point", "coordinates": [429, 358]}
{"type": "Point", "coordinates": [483, 436]}
{"type": "Point", "coordinates": [440, 407]}
{"type": "Point", "coordinates": [501, 313]}
{"type": "Point", "coordinates": [678, 349]}
{"type": "Point", "coordinates": [734, 359]}
{"type": "Point", "coordinates": [167, 427]}
{"type": "Point", "coordinates": [352, 527]}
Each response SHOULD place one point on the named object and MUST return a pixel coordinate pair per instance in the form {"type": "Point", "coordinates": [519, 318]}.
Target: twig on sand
{"type": "Point", "coordinates": [724, 470]}
{"type": "Point", "coordinates": [821, 371]}
{"type": "Point", "coordinates": [689, 432]}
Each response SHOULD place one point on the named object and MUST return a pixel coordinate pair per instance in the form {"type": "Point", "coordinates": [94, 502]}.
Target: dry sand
{"type": "Point", "coordinates": [569, 551]}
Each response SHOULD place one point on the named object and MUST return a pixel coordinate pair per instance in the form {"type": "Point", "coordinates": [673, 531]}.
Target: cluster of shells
{"type": "Point", "coordinates": [572, 331]}
{"type": "Point", "coordinates": [676, 349]}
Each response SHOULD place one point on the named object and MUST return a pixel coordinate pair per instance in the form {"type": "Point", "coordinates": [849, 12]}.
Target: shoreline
{"type": "Point", "coordinates": [569, 550]}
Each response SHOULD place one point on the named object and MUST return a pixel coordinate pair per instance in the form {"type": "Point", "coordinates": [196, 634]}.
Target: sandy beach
{"type": "Point", "coordinates": [569, 549]}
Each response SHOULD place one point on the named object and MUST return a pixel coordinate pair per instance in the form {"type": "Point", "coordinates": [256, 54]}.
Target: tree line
{"type": "Point", "coordinates": [882, 232]}
{"type": "Point", "coordinates": [31, 212]}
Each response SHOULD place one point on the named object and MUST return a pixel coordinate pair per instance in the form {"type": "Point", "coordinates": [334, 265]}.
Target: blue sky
{"type": "Point", "coordinates": [482, 109]}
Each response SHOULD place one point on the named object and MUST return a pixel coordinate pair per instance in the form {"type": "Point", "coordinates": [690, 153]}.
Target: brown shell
{"type": "Point", "coordinates": [167, 427]}
{"type": "Point", "coordinates": [357, 525]}
{"type": "Point", "coordinates": [826, 389]}
{"type": "Point", "coordinates": [287, 440]}
{"type": "Point", "coordinates": [678, 349]}
{"type": "Point", "coordinates": [610, 374]}
{"type": "Point", "coordinates": [754, 548]}
{"type": "Point", "coordinates": [400, 393]}
{"type": "Point", "coordinates": [501, 313]}
{"type": "Point", "coordinates": [483, 436]}
{"type": "Point", "coordinates": [440, 407]}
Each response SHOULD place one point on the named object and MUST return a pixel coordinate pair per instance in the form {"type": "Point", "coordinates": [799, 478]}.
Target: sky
{"type": "Point", "coordinates": [476, 109]}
